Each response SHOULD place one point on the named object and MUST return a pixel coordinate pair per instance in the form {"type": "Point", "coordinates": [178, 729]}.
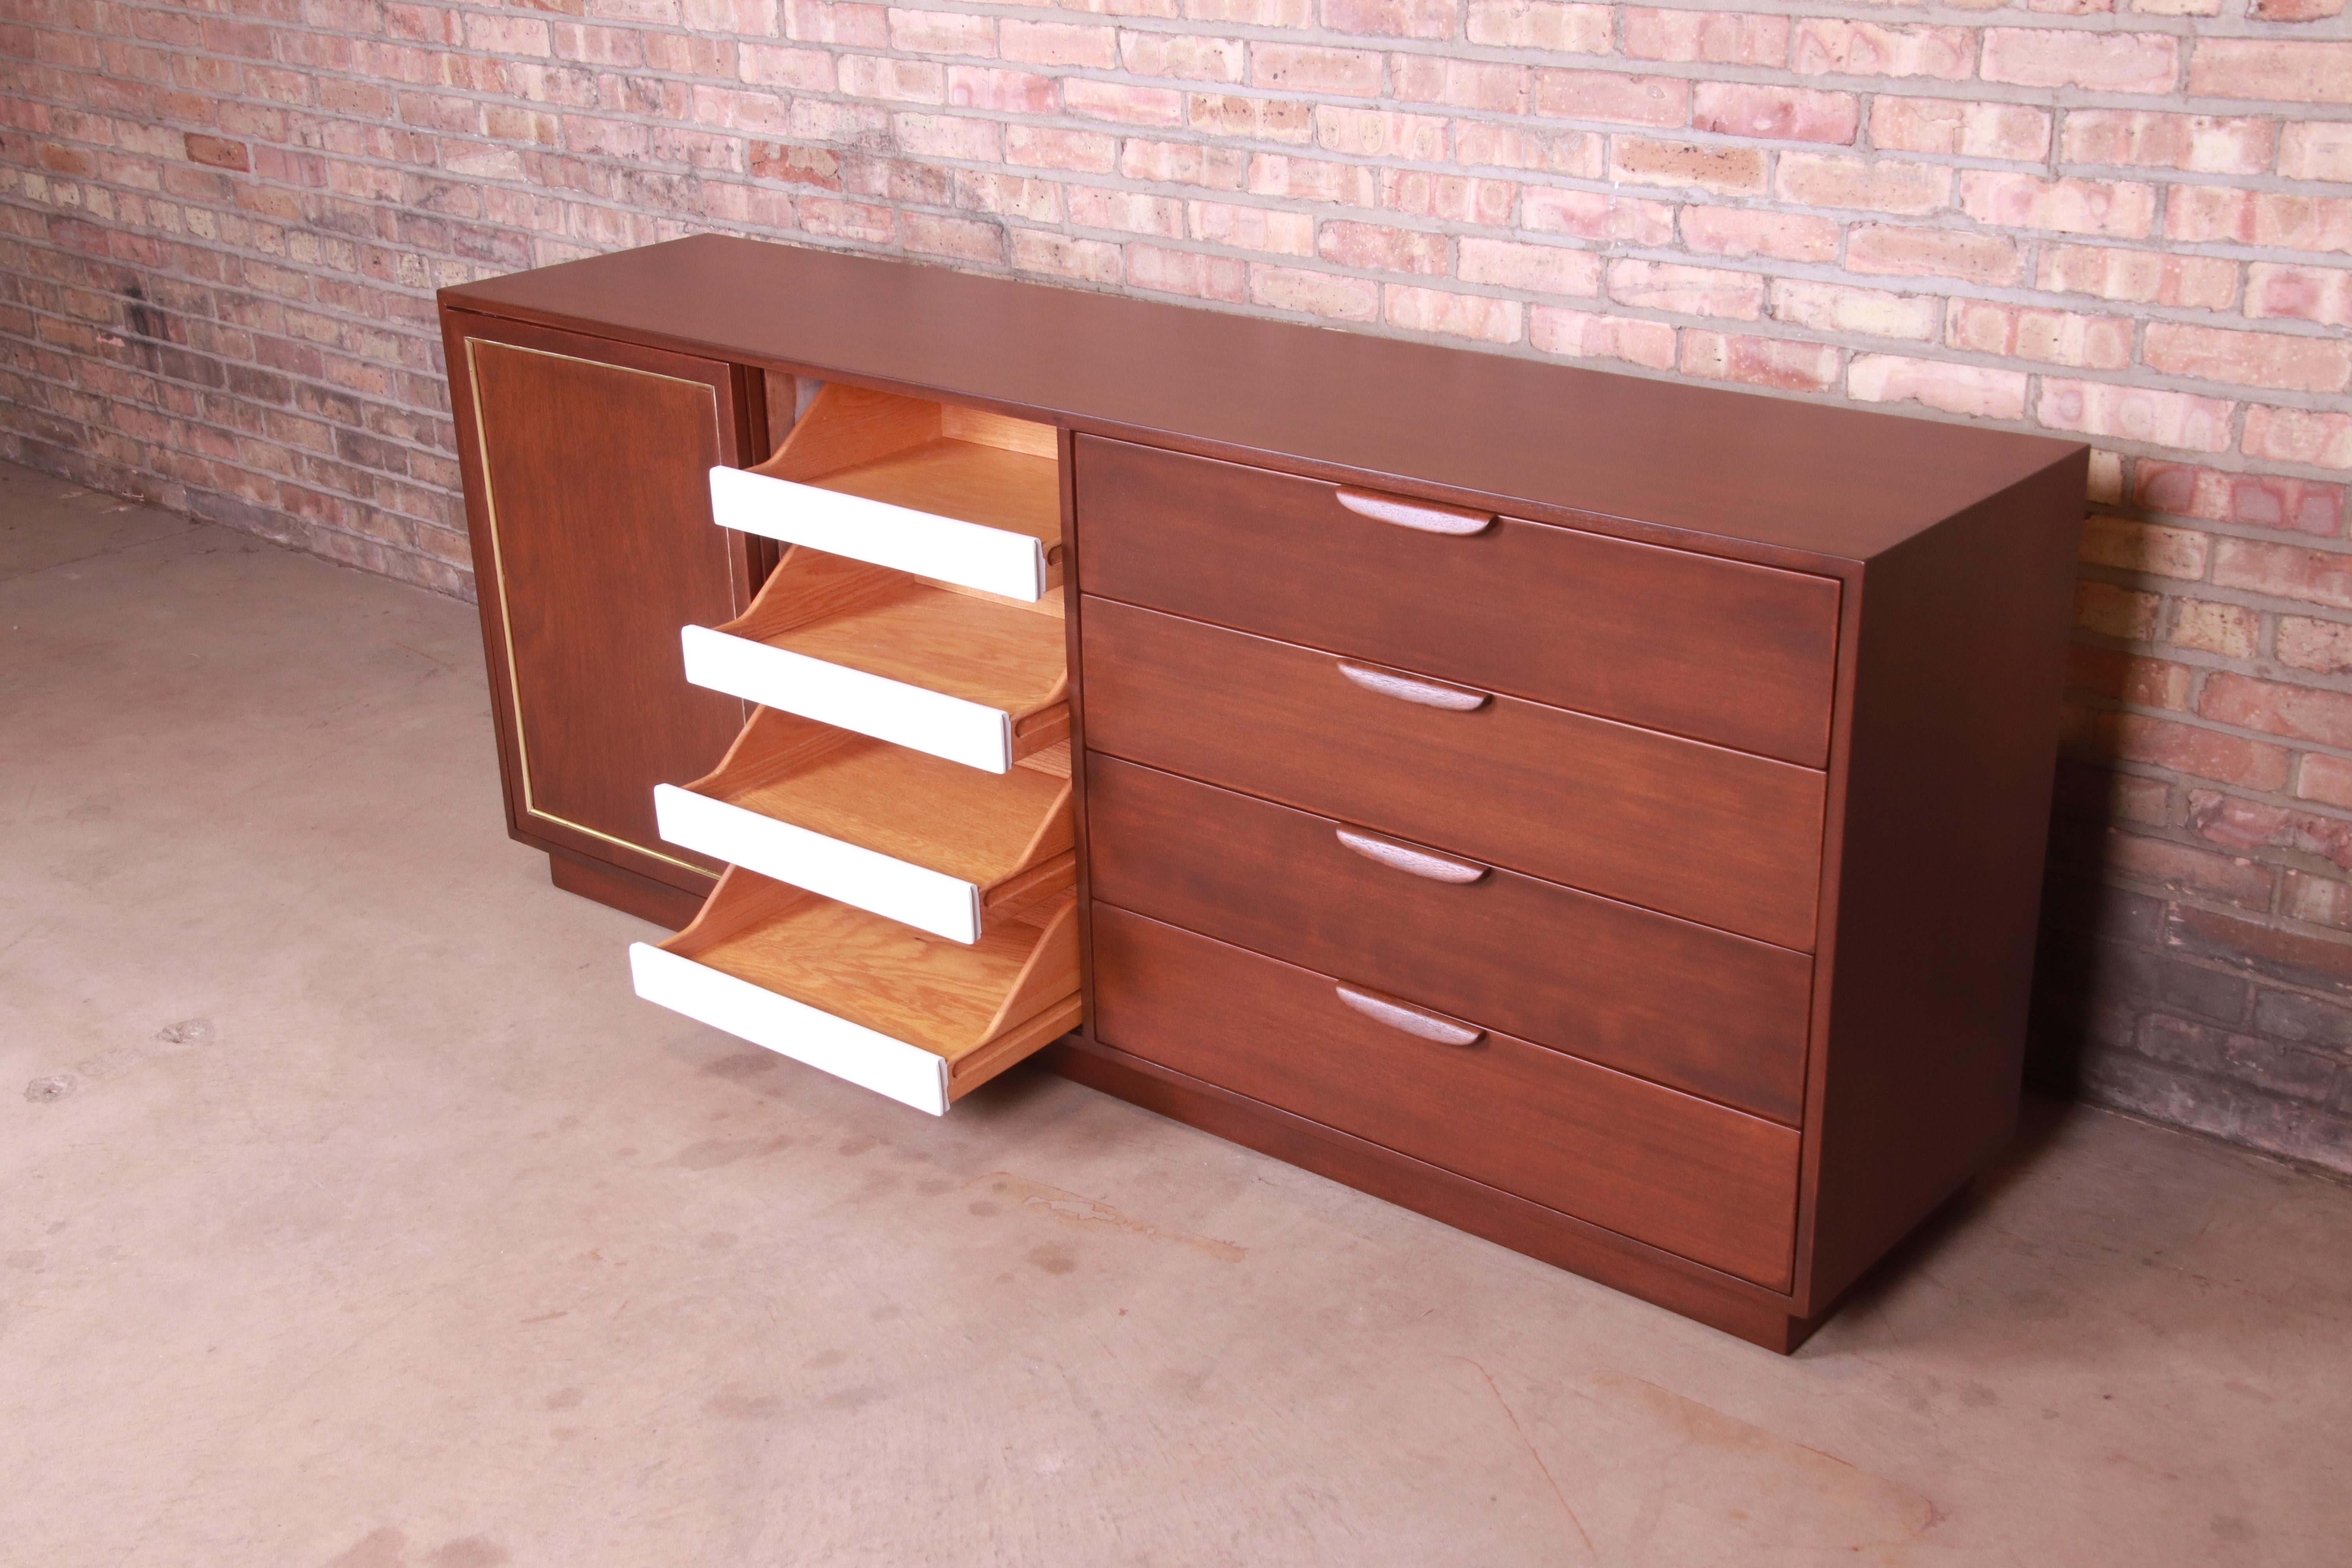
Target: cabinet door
{"type": "Point", "coordinates": [587, 488]}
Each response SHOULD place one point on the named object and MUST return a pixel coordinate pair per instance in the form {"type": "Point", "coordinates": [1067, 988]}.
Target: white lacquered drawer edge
{"type": "Point", "coordinates": [995, 560]}
{"type": "Point", "coordinates": [851, 1052]}
{"type": "Point", "coordinates": [913, 895]}
{"type": "Point", "coordinates": [968, 732]}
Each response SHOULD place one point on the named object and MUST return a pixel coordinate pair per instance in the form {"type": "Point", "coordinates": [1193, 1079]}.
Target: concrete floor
{"type": "Point", "coordinates": [356, 1214]}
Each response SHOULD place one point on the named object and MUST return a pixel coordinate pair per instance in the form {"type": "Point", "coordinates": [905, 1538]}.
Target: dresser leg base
{"type": "Point", "coordinates": [670, 908]}
{"type": "Point", "coordinates": [1612, 1260]}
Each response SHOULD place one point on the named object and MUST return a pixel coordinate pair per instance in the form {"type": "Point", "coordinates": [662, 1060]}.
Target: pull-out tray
{"type": "Point", "coordinates": [903, 1012]}
{"type": "Point", "coordinates": [952, 493]}
{"type": "Point", "coordinates": [959, 675]}
{"type": "Point", "coordinates": [923, 840]}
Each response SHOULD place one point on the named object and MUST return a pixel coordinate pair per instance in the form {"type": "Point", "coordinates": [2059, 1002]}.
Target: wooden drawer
{"type": "Point", "coordinates": [959, 674]}
{"type": "Point", "coordinates": [1707, 1183]}
{"type": "Point", "coordinates": [1713, 835]}
{"type": "Point", "coordinates": [926, 841]}
{"type": "Point", "coordinates": [1739, 655]}
{"type": "Point", "coordinates": [952, 493]}
{"type": "Point", "coordinates": [1692, 1007]}
{"type": "Point", "coordinates": [911, 1016]}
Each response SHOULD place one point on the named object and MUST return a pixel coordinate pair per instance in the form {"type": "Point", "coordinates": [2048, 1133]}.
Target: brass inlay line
{"type": "Point", "coordinates": [498, 572]}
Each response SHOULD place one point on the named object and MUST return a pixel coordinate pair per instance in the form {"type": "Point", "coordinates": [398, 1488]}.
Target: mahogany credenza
{"type": "Point", "coordinates": [1602, 814]}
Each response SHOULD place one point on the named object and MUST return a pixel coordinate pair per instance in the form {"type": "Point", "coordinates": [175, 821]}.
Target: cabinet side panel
{"type": "Point", "coordinates": [594, 545]}
{"type": "Point", "coordinates": [1953, 739]}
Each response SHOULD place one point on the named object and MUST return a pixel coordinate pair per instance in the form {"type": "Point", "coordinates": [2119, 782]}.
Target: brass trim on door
{"type": "Point", "coordinates": [498, 573]}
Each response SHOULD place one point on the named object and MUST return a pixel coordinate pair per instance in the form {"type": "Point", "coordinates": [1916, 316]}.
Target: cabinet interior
{"type": "Point", "coordinates": [984, 828]}
{"type": "Point", "coordinates": [947, 997]}
{"type": "Point", "coordinates": [938, 457]}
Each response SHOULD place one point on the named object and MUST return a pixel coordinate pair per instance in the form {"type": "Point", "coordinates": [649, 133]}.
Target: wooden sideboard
{"type": "Point", "coordinates": [1604, 814]}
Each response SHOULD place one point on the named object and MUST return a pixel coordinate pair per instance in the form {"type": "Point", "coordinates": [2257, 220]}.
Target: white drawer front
{"type": "Point", "coordinates": [906, 1073]}
{"type": "Point", "coordinates": [888, 709]}
{"type": "Point", "coordinates": [995, 560]}
{"type": "Point", "coordinates": [912, 895]}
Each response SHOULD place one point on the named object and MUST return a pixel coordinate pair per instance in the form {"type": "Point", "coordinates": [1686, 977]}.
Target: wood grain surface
{"type": "Point", "coordinates": [981, 826]}
{"type": "Point", "coordinates": [1738, 655]}
{"type": "Point", "coordinates": [949, 997]}
{"type": "Point", "coordinates": [1731, 466]}
{"type": "Point", "coordinates": [565, 439]}
{"type": "Point", "coordinates": [1696, 1179]}
{"type": "Point", "coordinates": [1712, 835]}
{"type": "Point", "coordinates": [1694, 1008]}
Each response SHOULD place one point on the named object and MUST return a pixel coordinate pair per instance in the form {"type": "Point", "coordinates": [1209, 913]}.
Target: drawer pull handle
{"type": "Point", "coordinates": [1410, 859]}
{"type": "Point", "coordinates": [1411, 1020]}
{"type": "Point", "coordinates": [1423, 516]}
{"type": "Point", "coordinates": [1415, 688]}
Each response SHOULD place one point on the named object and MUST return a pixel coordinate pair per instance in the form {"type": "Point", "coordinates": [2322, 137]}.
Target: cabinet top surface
{"type": "Point", "coordinates": [1811, 477]}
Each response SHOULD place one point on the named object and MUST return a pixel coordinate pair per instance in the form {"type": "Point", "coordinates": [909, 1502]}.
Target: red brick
{"type": "Point", "coordinates": [1975, 129]}
{"type": "Point", "coordinates": [1686, 291]}
{"type": "Point", "coordinates": [1188, 57]}
{"type": "Point", "coordinates": [1494, 88]}
{"type": "Point", "coordinates": [2149, 549]}
{"type": "Point", "coordinates": [1617, 100]}
{"type": "Point", "coordinates": [2316, 150]}
{"type": "Point", "coordinates": [1302, 68]}
{"type": "Point", "coordinates": [2237, 822]}
{"type": "Point", "coordinates": [1836, 308]}
{"type": "Point", "coordinates": [1392, 18]}
{"type": "Point", "coordinates": [2142, 277]}
{"type": "Point", "coordinates": [1581, 334]}
{"type": "Point", "coordinates": [1045, 147]}
{"type": "Point", "coordinates": [2289, 71]}
{"type": "Point", "coordinates": [2300, 713]}
{"type": "Point", "coordinates": [2053, 337]}
{"type": "Point", "coordinates": [2299, 436]}
{"type": "Point", "coordinates": [1973, 390]}
{"type": "Point", "coordinates": [1059, 256]}
{"type": "Point", "coordinates": [1129, 212]}
{"type": "Point", "coordinates": [2192, 748]}
{"type": "Point", "coordinates": [1315, 293]}
{"type": "Point", "coordinates": [2259, 217]}
{"type": "Point", "coordinates": [943, 33]}
{"type": "Point", "coordinates": [2135, 414]}
{"type": "Point", "coordinates": [1314, 180]}
{"type": "Point", "coordinates": [1589, 214]}
{"type": "Point", "coordinates": [1461, 198]}
{"type": "Point", "coordinates": [2118, 209]}
{"type": "Point", "coordinates": [1011, 92]}
{"type": "Point", "coordinates": [2230, 878]}
{"type": "Point", "coordinates": [1183, 164]}
{"type": "Point", "coordinates": [2233, 631]}
{"type": "Point", "coordinates": [1252, 228]}
{"type": "Point", "coordinates": [2249, 359]}
{"type": "Point", "coordinates": [1478, 317]}
{"type": "Point", "coordinates": [217, 152]}
{"type": "Point", "coordinates": [1733, 171]}
{"type": "Point", "coordinates": [1122, 103]}
{"type": "Point", "coordinates": [2205, 143]}
{"type": "Point", "coordinates": [1760, 361]}
{"type": "Point", "coordinates": [1375, 247]}
{"type": "Point", "coordinates": [1739, 233]}
{"type": "Point", "coordinates": [2324, 779]}
{"type": "Point", "coordinates": [2284, 572]}
{"type": "Point", "coordinates": [1931, 253]}
{"type": "Point", "coordinates": [1577, 153]}
{"type": "Point", "coordinates": [2324, 647]}
{"type": "Point", "coordinates": [1875, 184]}
{"type": "Point", "coordinates": [2124, 677]}
{"type": "Point", "coordinates": [1775, 113]}
{"type": "Point", "coordinates": [1188, 272]}
{"type": "Point", "coordinates": [1714, 37]}
{"type": "Point", "coordinates": [1058, 44]}
{"type": "Point", "coordinates": [793, 165]}
{"type": "Point", "coordinates": [1536, 24]}
{"type": "Point", "coordinates": [1256, 119]}
{"type": "Point", "coordinates": [2262, 501]}
{"type": "Point", "coordinates": [1379, 133]}
{"type": "Point", "coordinates": [1529, 269]}
{"type": "Point", "coordinates": [1825, 46]}
{"type": "Point", "coordinates": [2322, 294]}
{"type": "Point", "coordinates": [2102, 62]}
{"type": "Point", "coordinates": [2294, 10]}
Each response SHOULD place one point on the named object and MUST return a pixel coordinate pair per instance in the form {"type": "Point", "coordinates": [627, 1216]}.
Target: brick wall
{"type": "Point", "coordinates": [220, 225]}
